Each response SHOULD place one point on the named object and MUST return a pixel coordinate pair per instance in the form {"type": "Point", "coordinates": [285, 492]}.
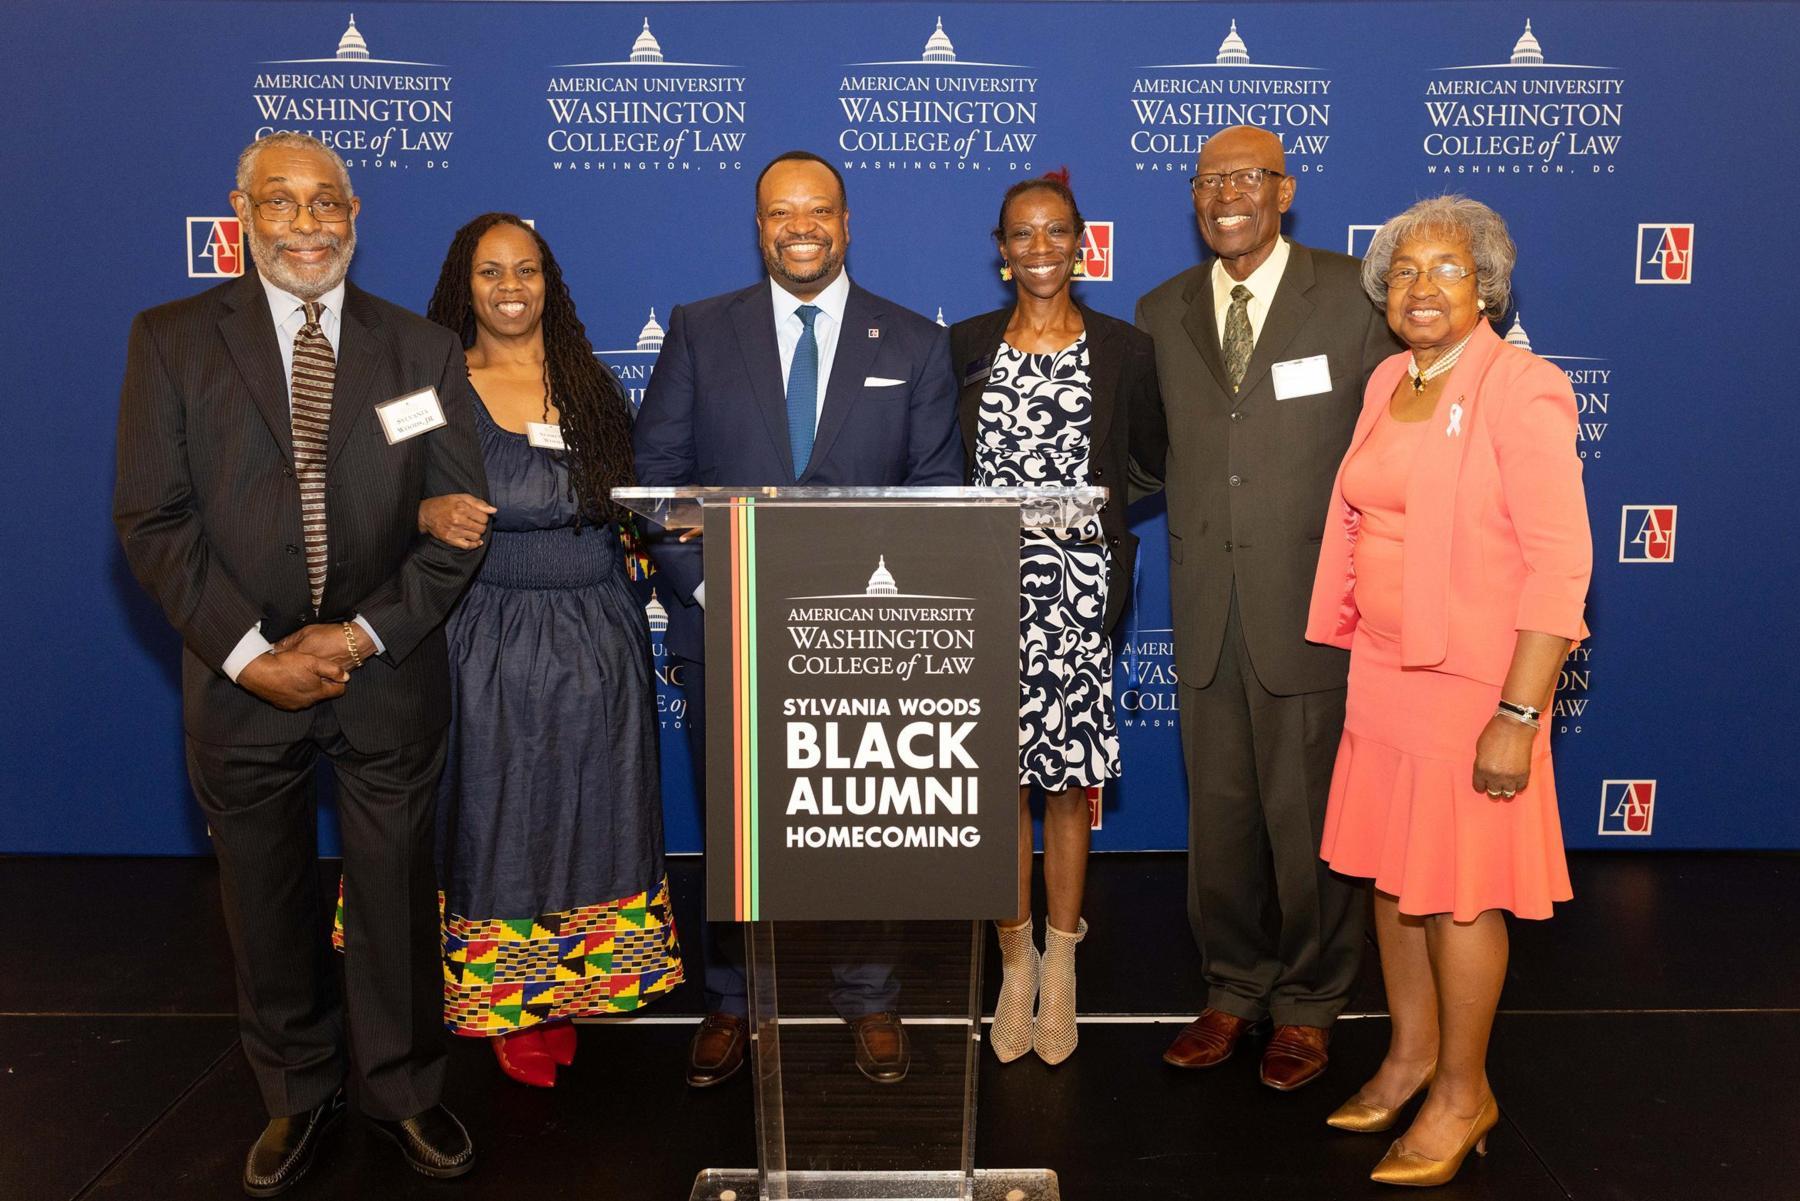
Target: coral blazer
{"type": "Point", "coordinates": [1497, 535]}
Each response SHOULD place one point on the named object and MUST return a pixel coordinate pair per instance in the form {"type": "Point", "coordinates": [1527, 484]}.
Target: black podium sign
{"type": "Point", "coordinates": [862, 710]}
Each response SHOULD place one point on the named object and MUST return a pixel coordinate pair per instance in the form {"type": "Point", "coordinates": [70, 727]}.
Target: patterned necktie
{"type": "Point", "coordinates": [1237, 342]}
{"type": "Point", "coordinates": [315, 373]}
{"type": "Point", "coordinates": [803, 391]}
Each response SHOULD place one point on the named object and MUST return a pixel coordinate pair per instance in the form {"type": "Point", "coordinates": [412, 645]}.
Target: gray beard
{"type": "Point", "coordinates": [306, 287]}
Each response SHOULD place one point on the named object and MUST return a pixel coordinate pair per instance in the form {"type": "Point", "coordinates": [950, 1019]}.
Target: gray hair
{"type": "Point", "coordinates": [1461, 218]}
{"type": "Point", "coordinates": [246, 164]}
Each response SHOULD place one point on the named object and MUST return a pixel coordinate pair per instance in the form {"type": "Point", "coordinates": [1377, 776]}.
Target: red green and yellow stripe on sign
{"type": "Point", "coordinates": [745, 857]}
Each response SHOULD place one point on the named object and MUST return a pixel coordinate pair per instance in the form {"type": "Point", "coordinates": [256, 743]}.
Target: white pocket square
{"type": "Point", "coordinates": [881, 381]}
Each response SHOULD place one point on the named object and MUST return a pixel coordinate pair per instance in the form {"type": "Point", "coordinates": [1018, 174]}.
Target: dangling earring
{"type": "Point", "coordinates": [1006, 272]}
{"type": "Point", "coordinates": [1080, 268]}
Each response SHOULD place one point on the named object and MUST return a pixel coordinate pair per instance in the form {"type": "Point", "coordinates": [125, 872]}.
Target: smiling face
{"type": "Point", "coordinates": [802, 226]}
{"type": "Point", "coordinates": [506, 282]}
{"type": "Point", "coordinates": [1429, 314]}
{"type": "Point", "coordinates": [1242, 227]}
{"type": "Point", "coordinates": [1039, 241]}
{"type": "Point", "coordinates": [301, 257]}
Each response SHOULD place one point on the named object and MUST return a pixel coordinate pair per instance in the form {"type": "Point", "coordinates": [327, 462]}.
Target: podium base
{"type": "Point", "coordinates": [988, 1184]}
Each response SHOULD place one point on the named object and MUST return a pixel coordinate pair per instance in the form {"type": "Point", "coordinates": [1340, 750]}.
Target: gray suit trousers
{"type": "Point", "coordinates": [1280, 935]}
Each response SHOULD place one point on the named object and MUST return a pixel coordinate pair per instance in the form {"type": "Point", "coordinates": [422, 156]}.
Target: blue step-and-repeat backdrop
{"type": "Point", "coordinates": [1643, 152]}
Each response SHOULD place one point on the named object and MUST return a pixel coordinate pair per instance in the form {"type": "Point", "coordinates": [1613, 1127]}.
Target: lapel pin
{"type": "Point", "coordinates": [873, 332]}
{"type": "Point", "coordinates": [1456, 415]}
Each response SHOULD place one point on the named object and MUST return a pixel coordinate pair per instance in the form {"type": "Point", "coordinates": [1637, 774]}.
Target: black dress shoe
{"type": "Point", "coordinates": [434, 1143]}
{"type": "Point", "coordinates": [717, 1049]}
{"type": "Point", "coordinates": [287, 1146]}
{"type": "Point", "coordinates": [882, 1053]}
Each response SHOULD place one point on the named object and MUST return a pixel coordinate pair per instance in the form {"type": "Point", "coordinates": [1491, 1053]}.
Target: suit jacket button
{"type": "Point", "coordinates": [1237, 416]}
{"type": "Point", "coordinates": [1235, 480]}
{"type": "Point", "coordinates": [1114, 541]}
{"type": "Point", "coordinates": [288, 471]}
{"type": "Point", "coordinates": [1099, 473]}
{"type": "Point", "coordinates": [292, 549]}
{"type": "Point", "coordinates": [1227, 544]}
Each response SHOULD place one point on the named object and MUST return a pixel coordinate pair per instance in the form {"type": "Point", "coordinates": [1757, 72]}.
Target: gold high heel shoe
{"type": "Point", "coordinates": [1359, 1117]}
{"type": "Point", "coordinates": [1400, 1166]}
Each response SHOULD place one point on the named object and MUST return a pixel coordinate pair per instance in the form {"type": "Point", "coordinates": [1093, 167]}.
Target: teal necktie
{"type": "Point", "coordinates": [803, 391]}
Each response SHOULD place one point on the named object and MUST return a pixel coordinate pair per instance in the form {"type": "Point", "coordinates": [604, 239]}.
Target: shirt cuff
{"type": "Point", "coordinates": [249, 646]}
{"type": "Point", "coordinates": [370, 631]}
{"type": "Point", "coordinates": [700, 594]}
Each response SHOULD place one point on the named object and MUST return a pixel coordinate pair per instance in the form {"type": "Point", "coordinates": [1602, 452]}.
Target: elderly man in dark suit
{"type": "Point", "coordinates": [802, 378]}
{"type": "Point", "coordinates": [276, 435]}
{"type": "Point", "coordinates": [1262, 354]}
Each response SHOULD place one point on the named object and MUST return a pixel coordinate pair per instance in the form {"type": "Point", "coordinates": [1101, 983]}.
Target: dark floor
{"type": "Point", "coordinates": [1648, 1050]}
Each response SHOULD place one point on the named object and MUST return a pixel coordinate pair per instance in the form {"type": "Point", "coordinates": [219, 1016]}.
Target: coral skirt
{"type": "Point", "coordinates": [1404, 811]}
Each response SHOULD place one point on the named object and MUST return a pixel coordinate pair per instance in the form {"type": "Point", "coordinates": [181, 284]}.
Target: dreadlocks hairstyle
{"type": "Point", "coordinates": [594, 413]}
{"type": "Point", "coordinates": [1050, 181]}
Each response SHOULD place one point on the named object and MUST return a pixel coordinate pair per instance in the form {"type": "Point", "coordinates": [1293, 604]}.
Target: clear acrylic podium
{"type": "Point", "coordinates": [824, 1131]}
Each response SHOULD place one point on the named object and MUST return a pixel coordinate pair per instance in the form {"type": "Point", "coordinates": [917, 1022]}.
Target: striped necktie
{"type": "Point", "coordinates": [315, 374]}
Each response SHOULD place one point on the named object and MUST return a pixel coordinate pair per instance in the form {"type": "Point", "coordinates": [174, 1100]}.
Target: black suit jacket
{"type": "Point", "coordinates": [208, 507]}
{"type": "Point", "coordinates": [1249, 477]}
{"type": "Point", "coordinates": [1122, 374]}
{"type": "Point", "coordinates": [715, 413]}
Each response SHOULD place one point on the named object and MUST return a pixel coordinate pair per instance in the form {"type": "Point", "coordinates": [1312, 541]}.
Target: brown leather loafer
{"type": "Point", "coordinates": [881, 1051]}
{"type": "Point", "coordinates": [717, 1051]}
{"type": "Point", "coordinates": [1206, 1041]}
{"type": "Point", "coordinates": [1295, 1056]}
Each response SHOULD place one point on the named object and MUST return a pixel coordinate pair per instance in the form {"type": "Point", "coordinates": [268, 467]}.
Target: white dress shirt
{"type": "Point", "coordinates": [289, 314]}
{"type": "Point", "coordinates": [826, 328]}
{"type": "Point", "coordinates": [1262, 284]}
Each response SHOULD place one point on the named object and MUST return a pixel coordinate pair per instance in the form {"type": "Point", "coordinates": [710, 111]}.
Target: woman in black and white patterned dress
{"type": "Point", "coordinates": [1047, 388]}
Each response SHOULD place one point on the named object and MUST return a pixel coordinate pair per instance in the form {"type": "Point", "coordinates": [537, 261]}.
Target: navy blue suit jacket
{"type": "Point", "coordinates": [715, 413]}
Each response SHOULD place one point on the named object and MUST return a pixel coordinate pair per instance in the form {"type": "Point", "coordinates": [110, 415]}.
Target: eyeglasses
{"type": "Point", "coordinates": [1444, 275]}
{"type": "Point", "coordinates": [281, 209]}
{"type": "Point", "coordinates": [1247, 179]}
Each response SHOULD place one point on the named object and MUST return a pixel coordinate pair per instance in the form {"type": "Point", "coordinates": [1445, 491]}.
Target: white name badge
{"type": "Point", "coordinates": [1301, 377]}
{"type": "Point", "coordinates": [543, 436]}
{"type": "Point", "coordinates": [411, 415]}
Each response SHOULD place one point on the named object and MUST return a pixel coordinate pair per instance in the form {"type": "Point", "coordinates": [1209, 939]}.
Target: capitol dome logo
{"type": "Point", "coordinates": [1176, 110]}
{"type": "Point", "coordinates": [380, 113]}
{"type": "Point", "coordinates": [632, 364]}
{"type": "Point", "coordinates": [1525, 115]}
{"type": "Point", "coordinates": [1232, 53]}
{"type": "Point", "coordinates": [646, 51]}
{"type": "Point", "coordinates": [353, 48]}
{"type": "Point", "coordinates": [656, 615]}
{"type": "Point", "coordinates": [937, 112]}
{"type": "Point", "coordinates": [646, 112]}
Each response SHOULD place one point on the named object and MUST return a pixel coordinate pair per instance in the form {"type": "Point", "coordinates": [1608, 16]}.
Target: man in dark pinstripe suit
{"type": "Point", "coordinates": [309, 636]}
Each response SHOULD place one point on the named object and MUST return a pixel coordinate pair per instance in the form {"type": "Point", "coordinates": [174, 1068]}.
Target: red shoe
{"type": "Point", "coordinates": [559, 1042]}
{"type": "Point", "coordinates": [522, 1061]}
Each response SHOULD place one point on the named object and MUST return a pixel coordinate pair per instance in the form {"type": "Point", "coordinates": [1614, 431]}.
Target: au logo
{"type": "Point", "coordinates": [1097, 251]}
{"type": "Point", "coordinates": [215, 247]}
{"type": "Point", "coordinates": [1627, 806]}
{"type": "Point", "coordinates": [1647, 534]}
{"type": "Point", "coordinates": [1361, 237]}
{"type": "Point", "coordinates": [1665, 254]}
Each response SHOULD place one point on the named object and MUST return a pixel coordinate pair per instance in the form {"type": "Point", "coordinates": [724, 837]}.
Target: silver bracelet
{"type": "Point", "coordinates": [1523, 714]}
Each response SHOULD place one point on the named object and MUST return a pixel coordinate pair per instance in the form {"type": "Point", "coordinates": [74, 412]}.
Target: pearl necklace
{"type": "Point", "coordinates": [1444, 363]}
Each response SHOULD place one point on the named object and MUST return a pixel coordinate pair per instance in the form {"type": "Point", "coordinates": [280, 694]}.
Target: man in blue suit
{"type": "Point", "coordinates": [803, 378]}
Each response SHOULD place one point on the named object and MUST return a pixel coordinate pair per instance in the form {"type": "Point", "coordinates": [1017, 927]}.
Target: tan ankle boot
{"type": "Point", "coordinates": [1054, 1035]}
{"type": "Point", "coordinates": [1019, 968]}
